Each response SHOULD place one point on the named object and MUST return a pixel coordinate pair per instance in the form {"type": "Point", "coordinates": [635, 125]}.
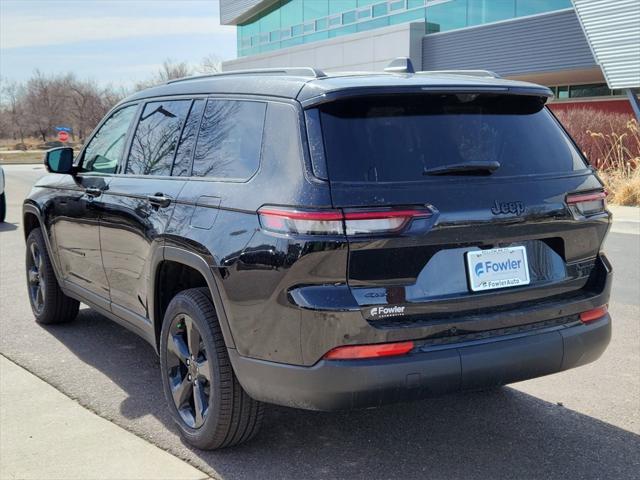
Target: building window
{"type": "Point", "coordinates": [599, 90]}
{"type": "Point", "coordinates": [397, 5]}
{"type": "Point", "coordinates": [349, 17]}
{"type": "Point", "coordinates": [362, 14]}
{"type": "Point", "coordinates": [380, 9]}
{"type": "Point", "coordinates": [289, 19]}
{"type": "Point", "coordinates": [564, 92]}
{"type": "Point", "coordinates": [333, 21]}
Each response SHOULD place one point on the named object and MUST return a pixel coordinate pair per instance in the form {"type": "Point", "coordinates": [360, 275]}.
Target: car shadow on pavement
{"type": "Point", "coordinates": [8, 227]}
{"type": "Point", "coordinates": [499, 434]}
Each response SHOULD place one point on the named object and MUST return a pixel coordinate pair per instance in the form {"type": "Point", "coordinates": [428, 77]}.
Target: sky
{"type": "Point", "coordinates": [114, 42]}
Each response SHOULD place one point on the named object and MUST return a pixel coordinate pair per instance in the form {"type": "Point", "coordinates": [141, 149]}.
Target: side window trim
{"type": "Point", "coordinates": [184, 124]}
{"type": "Point", "coordinates": [195, 145]}
{"type": "Point", "coordinates": [127, 146]}
{"type": "Point", "coordinates": [104, 120]}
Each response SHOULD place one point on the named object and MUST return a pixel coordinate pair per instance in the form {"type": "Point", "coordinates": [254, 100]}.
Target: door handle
{"type": "Point", "coordinates": [93, 191]}
{"type": "Point", "coordinates": [159, 200]}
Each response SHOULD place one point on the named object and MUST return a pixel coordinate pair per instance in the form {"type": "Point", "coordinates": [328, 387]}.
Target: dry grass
{"type": "Point", "coordinates": [611, 143]}
{"type": "Point", "coordinates": [623, 189]}
{"type": "Point", "coordinates": [28, 157]}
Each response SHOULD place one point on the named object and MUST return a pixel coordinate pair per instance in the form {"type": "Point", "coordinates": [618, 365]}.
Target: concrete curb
{"type": "Point", "coordinates": [46, 435]}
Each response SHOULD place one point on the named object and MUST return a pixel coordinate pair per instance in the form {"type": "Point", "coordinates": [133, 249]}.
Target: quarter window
{"type": "Point", "coordinates": [105, 148]}
{"type": "Point", "coordinates": [156, 138]}
{"type": "Point", "coordinates": [230, 139]}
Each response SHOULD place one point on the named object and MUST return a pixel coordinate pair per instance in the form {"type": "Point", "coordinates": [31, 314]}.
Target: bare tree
{"type": "Point", "coordinates": [86, 104]}
{"type": "Point", "coordinates": [43, 102]}
{"type": "Point", "coordinates": [170, 70]}
{"type": "Point", "coordinates": [210, 64]}
{"type": "Point", "coordinates": [13, 111]}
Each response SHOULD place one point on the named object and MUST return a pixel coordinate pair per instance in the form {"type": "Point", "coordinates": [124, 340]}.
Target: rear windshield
{"type": "Point", "coordinates": [400, 138]}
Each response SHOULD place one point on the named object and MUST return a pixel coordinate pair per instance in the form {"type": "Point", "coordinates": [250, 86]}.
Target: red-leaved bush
{"type": "Point", "coordinates": [610, 141]}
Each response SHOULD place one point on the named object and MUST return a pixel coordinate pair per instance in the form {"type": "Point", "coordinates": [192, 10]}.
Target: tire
{"type": "Point", "coordinates": [3, 207]}
{"type": "Point", "coordinates": [48, 303]}
{"type": "Point", "coordinates": [200, 369]}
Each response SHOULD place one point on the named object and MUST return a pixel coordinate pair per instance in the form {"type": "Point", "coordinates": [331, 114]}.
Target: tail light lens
{"type": "Point", "coordinates": [355, 352]}
{"type": "Point", "coordinates": [282, 220]}
{"type": "Point", "coordinates": [593, 315]}
{"type": "Point", "coordinates": [338, 222]}
{"type": "Point", "coordinates": [588, 203]}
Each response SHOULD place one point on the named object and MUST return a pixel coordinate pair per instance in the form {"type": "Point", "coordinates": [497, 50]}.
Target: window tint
{"type": "Point", "coordinates": [230, 139]}
{"type": "Point", "coordinates": [182, 164]}
{"type": "Point", "coordinates": [156, 138]}
{"type": "Point", "coordinates": [394, 139]}
{"type": "Point", "coordinates": [105, 148]}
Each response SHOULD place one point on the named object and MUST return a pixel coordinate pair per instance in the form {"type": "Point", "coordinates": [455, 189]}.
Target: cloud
{"type": "Point", "coordinates": [36, 31]}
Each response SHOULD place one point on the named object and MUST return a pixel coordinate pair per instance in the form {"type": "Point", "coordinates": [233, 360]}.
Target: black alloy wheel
{"type": "Point", "coordinates": [188, 371]}
{"type": "Point", "coordinates": [37, 282]}
{"type": "Point", "coordinates": [208, 404]}
{"type": "Point", "coordinates": [48, 302]}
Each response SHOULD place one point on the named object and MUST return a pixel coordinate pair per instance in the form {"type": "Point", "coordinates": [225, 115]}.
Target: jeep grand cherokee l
{"type": "Point", "coordinates": [327, 241]}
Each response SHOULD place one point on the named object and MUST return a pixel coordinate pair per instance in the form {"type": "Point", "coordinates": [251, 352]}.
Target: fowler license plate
{"type": "Point", "coordinates": [497, 268]}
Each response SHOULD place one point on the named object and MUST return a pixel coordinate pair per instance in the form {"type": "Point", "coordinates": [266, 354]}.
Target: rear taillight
{"type": "Point", "coordinates": [593, 314]}
{"type": "Point", "coordinates": [339, 222]}
{"type": "Point", "coordinates": [354, 352]}
{"type": "Point", "coordinates": [283, 220]}
{"type": "Point", "coordinates": [588, 203]}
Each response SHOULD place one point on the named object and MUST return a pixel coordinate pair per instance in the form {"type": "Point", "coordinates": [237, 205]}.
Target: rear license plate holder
{"type": "Point", "coordinates": [497, 268]}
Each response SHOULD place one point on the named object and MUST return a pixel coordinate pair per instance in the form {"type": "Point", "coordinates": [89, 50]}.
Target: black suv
{"type": "Point", "coordinates": [327, 241]}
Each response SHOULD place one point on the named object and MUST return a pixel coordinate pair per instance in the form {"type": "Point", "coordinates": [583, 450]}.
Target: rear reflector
{"type": "Point", "coordinates": [353, 352]}
{"type": "Point", "coordinates": [337, 222]}
{"type": "Point", "coordinates": [593, 315]}
{"type": "Point", "coordinates": [588, 203]}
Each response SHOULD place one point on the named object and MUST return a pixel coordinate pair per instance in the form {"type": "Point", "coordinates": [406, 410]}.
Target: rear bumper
{"type": "Point", "coordinates": [339, 385]}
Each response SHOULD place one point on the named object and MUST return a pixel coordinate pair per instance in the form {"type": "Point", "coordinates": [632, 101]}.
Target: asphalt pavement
{"type": "Point", "coordinates": [584, 423]}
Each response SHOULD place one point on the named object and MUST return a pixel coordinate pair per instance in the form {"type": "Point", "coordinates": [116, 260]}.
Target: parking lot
{"type": "Point", "coordinates": [583, 423]}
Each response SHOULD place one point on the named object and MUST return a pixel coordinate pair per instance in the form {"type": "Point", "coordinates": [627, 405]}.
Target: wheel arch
{"type": "Point", "coordinates": [32, 219]}
{"type": "Point", "coordinates": [176, 257]}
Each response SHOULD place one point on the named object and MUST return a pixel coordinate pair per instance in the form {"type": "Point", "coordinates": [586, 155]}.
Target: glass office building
{"type": "Point", "coordinates": [540, 41]}
{"type": "Point", "coordinates": [286, 23]}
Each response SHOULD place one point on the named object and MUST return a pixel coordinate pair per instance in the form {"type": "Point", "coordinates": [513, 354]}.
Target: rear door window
{"type": "Point", "coordinates": [398, 138]}
{"type": "Point", "coordinates": [156, 138]}
{"type": "Point", "coordinates": [230, 139]}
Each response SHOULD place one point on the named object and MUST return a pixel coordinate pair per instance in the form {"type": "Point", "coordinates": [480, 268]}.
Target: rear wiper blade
{"type": "Point", "coordinates": [468, 168]}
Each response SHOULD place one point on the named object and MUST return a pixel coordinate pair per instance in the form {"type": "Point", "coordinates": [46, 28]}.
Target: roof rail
{"type": "Point", "coordinates": [294, 71]}
{"type": "Point", "coordinates": [470, 73]}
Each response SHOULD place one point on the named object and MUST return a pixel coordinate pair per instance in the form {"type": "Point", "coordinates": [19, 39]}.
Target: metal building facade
{"type": "Point", "coordinates": [612, 28]}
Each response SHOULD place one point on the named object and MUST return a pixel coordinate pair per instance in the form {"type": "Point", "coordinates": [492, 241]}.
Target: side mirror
{"type": "Point", "coordinates": [59, 160]}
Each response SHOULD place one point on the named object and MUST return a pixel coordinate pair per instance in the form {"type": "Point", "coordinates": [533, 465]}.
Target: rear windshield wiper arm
{"type": "Point", "coordinates": [469, 168]}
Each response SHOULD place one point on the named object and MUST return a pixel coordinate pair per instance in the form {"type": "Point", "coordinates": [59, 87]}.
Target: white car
{"type": "Point", "coordinates": [3, 200]}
